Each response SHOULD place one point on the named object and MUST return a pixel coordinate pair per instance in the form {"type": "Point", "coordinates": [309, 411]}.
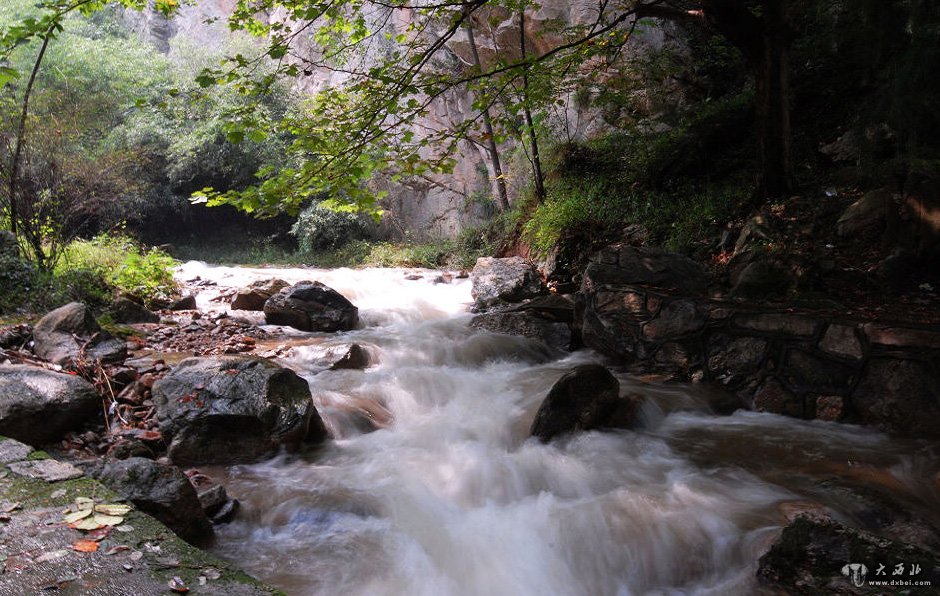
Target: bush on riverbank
{"type": "Point", "coordinates": [90, 271]}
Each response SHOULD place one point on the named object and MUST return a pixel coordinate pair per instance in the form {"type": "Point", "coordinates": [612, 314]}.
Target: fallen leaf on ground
{"type": "Point", "coordinates": [75, 516]}
{"type": "Point", "coordinates": [177, 585]}
{"type": "Point", "coordinates": [12, 507]}
{"type": "Point", "coordinates": [125, 528]}
{"type": "Point", "coordinates": [85, 546]}
{"type": "Point", "coordinates": [113, 509]}
{"type": "Point", "coordinates": [117, 549]}
{"type": "Point", "coordinates": [51, 556]}
{"type": "Point", "coordinates": [86, 524]}
{"type": "Point", "coordinates": [108, 520]}
{"type": "Point", "coordinates": [212, 573]}
{"type": "Point", "coordinates": [57, 493]}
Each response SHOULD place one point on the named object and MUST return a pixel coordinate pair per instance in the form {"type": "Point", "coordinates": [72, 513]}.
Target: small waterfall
{"type": "Point", "coordinates": [431, 485]}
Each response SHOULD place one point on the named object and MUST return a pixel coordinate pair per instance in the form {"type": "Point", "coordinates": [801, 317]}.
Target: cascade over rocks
{"type": "Point", "coordinates": [511, 279]}
{"type": "Point", "coordinates": [60, 336]}
{"type": "Point", "coordinates": [38, 406]}
{"type": "Point", "coordinates": [545, 318]}
{"type": "Point", "coordinates": [586, 398]}
{"type": "Point", "coordinates": [233, 409]}
{"type": "Point", "coordinates": [311, 306]}
{"type": "Point", "coordinates": [161, 490]}
{"type": "Point", "coordinates": [254, 295]}
{"type": "Point", "coordinates": [355, 358]}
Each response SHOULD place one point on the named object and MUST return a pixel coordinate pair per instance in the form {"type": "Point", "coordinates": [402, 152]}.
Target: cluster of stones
{"type": "Point", "coordinates": [648, 307]}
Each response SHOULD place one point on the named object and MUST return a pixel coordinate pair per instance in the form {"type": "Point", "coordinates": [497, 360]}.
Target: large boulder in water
{"type": "Point", "coordinates": [161, 490]}
{"type": "Point", "coordinates": [38, 406]}
{"type": "Point", "coordinates": [125, 310]}
{"type": "Point", "coordinates": [254, 295]}
{"type": "Point", "coordinates": [511, 279]}
{"type": "Point", "coordinates": [817, 555]}
{"type": "Point", "coordinates": [233, 409]}
{"type": "Point", "coordinates": [311, 306]}
{"type": "Point", "coordinates": [586, 398]}
{"type": "Point", "coordinates": [63, 333]}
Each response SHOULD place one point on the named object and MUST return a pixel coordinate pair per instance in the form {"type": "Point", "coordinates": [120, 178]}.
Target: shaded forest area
{"type": "Point", "coordinates": [119, 134]}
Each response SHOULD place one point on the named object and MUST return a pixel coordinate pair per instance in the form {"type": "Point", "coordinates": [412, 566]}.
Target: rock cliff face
{"type": "Point", "coordinates": [437, 205]}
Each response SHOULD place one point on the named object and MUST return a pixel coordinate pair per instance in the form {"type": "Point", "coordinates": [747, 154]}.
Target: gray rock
{"type": "Point", "coordinates": [161, 490]}
{"type": "Point", "coordinates": [355, 358]}
{"type": "Point", "coordinates": [59, 335]}
{"type": "Point", "coordinates": [842, 340]}
{"type": "Point", "coordinates": [676, 319]}
{"type": "Point", "coordinates": [253, 296]}
{"type": "Point", "coordinates": [815, 555]}
{"type": "Point", "coordinates": [868, 213]}
{"type": "Point", "coordinates": [12, 450]}
{"type": "Point", "coordinates": [38, 406]}
{"type": "Point", "coordinates": [640, 266]}
{"type": "Point", "coordinates": [733, 361]}
{"type": "Point", "coordinates": [233, 409]}
{"type": "Point", "coordinates": [901, 396]}
{"type": "Point", "coordinates": [586, 398]}
{"type": "Point", "coordinates": [49, 470]}
{"type": "Point", "coordinates": [311, 306]}
{"type": "Point", "coordinates": [510, 279]}
{"type": "Point", "coordinates": [184, 303]}
{"type": "Point", "coordinates": [761, 278]}
{"type": "Point", "coordinates": [527, 324]}
{"type": "Point", "coordinates": [125, 310]}
{"type": "Point", "coordinates": [775, 398]}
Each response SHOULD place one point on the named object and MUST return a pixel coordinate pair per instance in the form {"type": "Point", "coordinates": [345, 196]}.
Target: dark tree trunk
{"type": "Point", "coordinates": [537, 176]}
{"type": "Point", "coordinates": [502, 197]}
{"type": "Point", "coordinates": [772, 86]}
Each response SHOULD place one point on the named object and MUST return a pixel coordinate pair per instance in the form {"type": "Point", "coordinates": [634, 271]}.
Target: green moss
{"type": "Point", "coordinates": [38, 454]}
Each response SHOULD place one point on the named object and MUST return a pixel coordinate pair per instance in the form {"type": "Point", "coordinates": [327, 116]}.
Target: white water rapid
{"type": "Point", "coordinates": [449, 496]}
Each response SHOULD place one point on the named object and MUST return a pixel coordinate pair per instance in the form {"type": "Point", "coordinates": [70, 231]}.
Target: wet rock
{"type": "Point", "coordinates": [731, 361]}
{"type": "Point", "coordinates": [586, 398]}
{"type": "Point", "coordinates": [233, 409]}
{"type": "Point", "coordinates": [161, 490]}
{"type": "Point", "coordinates": [254, 295]}
{"type": "Point", "coordinates": [781, 323]}
{"type": "Point", "coordinates": [311, 306]}
{"type": "Point", "coordinates": [901, 396]}
{"type": "Point", "coordinates": [184, 303]}
{"type": "Point", "coordinates": [775, 398]}
{"type": "Point", "coordinates": [526, 324]}
{"type": "Point", "coordinates": [510, 279]}
{"type": "Point", "coordinates": [817, 555]}
{"type": "Point", "coordinates": [804, 370]}
{"type": "Point", "coordinates": [830, 408]}
{"type": "Point", "coordinates": [125, 310]}
{"type": "Point", "coordinates": [38, 406]}
{"type": "Point", "coordinates": [355, 358]}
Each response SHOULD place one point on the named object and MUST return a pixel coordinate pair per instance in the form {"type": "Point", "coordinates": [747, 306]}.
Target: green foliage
{"type": "Point", "coordinates": [120, 264]}
{"type": "Point", "coordinates": [18, 278]}
{"type": "Point", "coordinates": [320, 228]}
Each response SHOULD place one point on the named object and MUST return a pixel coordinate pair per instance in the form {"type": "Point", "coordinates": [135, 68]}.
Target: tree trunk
{"type": "Point", "coordinates": [537, 176]}
{"type": "Point", "coordinates": [21, 139]}
{"type": "Point", "coordinates": [772, 86]}
{"type": "Point", "coordinates": [502, 197]}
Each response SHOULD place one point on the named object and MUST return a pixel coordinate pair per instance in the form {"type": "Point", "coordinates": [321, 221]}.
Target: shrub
{"type": "Point", "coordinates": [319, 228]}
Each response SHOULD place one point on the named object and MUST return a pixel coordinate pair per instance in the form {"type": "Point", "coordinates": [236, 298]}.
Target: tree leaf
{"type": "Point", "coordinates": [71, 518]}
{"type": "Point", "coordinates": [113, 509]}
{"type": "Point", "coordinates": [85, 546]}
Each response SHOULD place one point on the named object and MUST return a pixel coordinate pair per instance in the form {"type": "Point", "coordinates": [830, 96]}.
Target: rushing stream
{"type": "Point", "coordinates": [449, 496]}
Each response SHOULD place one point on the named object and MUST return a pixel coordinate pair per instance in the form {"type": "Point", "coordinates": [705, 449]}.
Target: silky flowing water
{"type": "Point", "coordinates": [431, 485]}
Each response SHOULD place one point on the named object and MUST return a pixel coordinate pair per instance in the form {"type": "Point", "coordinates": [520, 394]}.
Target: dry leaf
{"type": "Point", "coordinates": [51, 556]}
{"type": "Point", "coordinates": [71, 518]}
{"type": "Point", "coordinates": [85, 546]}
{"type": "Point", "coordinates": [112, 509]}
{"type": "Point", "coordinates": [86, 524]}
{"type": "Point", "coordinates": [13, 507]}
{"type": "Point", "coordinates": [120, 548]}
{"type": "Point", "coordinates": [125, 528]}
{"type": "Point", "coordinates": [107, 520]}
{"type": "Point", "coordinates": [84, 503]}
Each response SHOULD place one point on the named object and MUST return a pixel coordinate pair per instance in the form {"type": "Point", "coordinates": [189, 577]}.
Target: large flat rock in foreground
{"type": "Point", "coordinates": [137, 558]}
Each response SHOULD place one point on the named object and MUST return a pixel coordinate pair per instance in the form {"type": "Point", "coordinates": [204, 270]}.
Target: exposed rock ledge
{"type": "Point", "coordinates": [646, 307]}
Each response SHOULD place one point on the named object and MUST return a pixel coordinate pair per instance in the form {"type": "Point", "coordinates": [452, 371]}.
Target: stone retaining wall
{"type": "Point", "coordinates": [636, 305]}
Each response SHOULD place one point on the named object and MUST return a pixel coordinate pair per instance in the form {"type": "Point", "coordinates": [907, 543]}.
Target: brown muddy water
{"type": "Point", "coordinates": [431, 485]}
